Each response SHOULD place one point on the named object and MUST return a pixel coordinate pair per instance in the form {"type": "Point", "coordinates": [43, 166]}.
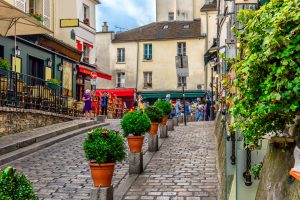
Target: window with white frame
{"type": "Point", "coordinates": [120, 80]}
{"type": "Point", "coordinates": [147, 79]}
{"type": "Point", "coordinates": [121, 54]}
{"type": "Point", "coordinates": [21, 4]}
{"type": "Point", "coordinates": [86, 12]}
{"type": "Point", "coordinates": [171, 16]}
{"type": "Point", "coordinates": [181, 80]}
{"type": "Point", "coordinates": [147, 51]}
{"type": "Point", "coordinates": [47, 13]}
{"type": "Point", "coordinates": [181, 48]}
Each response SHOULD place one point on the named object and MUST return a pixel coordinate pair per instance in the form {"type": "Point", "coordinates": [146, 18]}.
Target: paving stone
{"type": "Point", "coordinates": [184, 167]}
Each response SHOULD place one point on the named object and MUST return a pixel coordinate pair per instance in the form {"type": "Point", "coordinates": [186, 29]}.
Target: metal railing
{"type": "Point", "coordinates": [23, 91]}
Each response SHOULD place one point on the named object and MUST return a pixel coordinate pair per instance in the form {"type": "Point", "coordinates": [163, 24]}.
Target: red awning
{"type": "Point", "coordinates": [89, 45]}
{"type": "Point", "coordinates": [119, 92]}
{"type": "Point", "coordinates": [79, 45]}
{"type": "Point", "coordinates": [88, 72]}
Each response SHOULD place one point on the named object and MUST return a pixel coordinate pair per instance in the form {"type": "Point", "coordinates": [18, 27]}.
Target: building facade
{"type": "Point", "coordinates": [146, 58]}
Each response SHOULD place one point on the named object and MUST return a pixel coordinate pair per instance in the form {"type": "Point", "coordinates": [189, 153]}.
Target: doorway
{"type": "Point", "coordinates": [36, 67]}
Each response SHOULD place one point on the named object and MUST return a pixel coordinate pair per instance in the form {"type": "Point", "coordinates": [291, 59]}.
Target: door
{"type": "Point", "coordinates": [36, 67]}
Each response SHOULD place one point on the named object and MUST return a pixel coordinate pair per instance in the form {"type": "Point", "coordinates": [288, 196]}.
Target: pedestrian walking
{"type": "Point", "coordinates": [104, 102]}
{"type": "Point", "coordinates": [199, 111]}
{"type": "Point", "coordinates": [207, 110]}
{"type": "Point", "coordinates": [87, 98]}
{"type": "Point", "coordinates": [178, 107]}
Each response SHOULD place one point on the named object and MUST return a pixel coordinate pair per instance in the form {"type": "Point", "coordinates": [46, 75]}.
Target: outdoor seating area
{"type": "Point", "coordinates": [22, 91]}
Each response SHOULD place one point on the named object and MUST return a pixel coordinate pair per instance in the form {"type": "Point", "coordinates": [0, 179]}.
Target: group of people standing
{"type": "Point", "coordinates": [88, 103]}
{"type": "Point", "coordinates": [202, 109]}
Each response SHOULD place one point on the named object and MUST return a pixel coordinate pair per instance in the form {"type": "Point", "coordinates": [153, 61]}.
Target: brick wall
{"type": "Point", "coordinates": [14, 121]}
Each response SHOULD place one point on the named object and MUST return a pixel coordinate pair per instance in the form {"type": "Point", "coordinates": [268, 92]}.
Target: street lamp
{"type": "Point", "coordinates": [183, 100]}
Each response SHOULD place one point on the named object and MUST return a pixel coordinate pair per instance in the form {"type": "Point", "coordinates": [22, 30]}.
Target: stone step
{"type": "Point", "coordinates": [21, 152]}
{"type": "Point", "coordinates": [14, 142]}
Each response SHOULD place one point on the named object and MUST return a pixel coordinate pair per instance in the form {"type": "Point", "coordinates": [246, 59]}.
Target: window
{"type": "Point", "coordinates": [171, 16]}
{"type": "Point", "coordinates": [47, 13]}
{"type": "Point", "coordinates": [181, 48]}
{"type": "Point", "coordinates": [1, 51]}
{"type": "Point", "coordinates": [121, 54]}
{"type": "Point", "coordinates": [32, 6]}
{"type": "Point", "coordinates": [120, 80]}
{"type": "Point", "coordinates": [86, 12]}
{"type": "Point", "coordinates": [147, 51]}
{"type": "Point", "coordinates": [86, 53]}
{"type": "Point", "coordinates": [147, 79]}
{"type": "Point", "coordinates": [21, 4]}
{"type": "Point", "coordinates": [181, 80]}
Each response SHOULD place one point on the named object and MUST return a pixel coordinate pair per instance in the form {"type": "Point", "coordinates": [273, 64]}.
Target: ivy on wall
{"type": "Point", "coordinates": [268, 73]}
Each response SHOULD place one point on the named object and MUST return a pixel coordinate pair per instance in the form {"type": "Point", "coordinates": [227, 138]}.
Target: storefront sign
{"type": "Point", "coordinates": [66, 23]}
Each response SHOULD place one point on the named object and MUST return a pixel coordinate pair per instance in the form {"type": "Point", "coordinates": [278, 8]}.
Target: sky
{"type": "Point", "coordinates": [126, 14]}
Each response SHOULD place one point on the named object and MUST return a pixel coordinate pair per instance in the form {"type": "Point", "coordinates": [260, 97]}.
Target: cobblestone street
{"type": "Point", "coordinates": [183, 168]}
{"type": "Point", "coordinates": [62, 172]}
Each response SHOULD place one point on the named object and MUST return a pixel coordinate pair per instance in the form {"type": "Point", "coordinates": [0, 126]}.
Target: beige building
{"type": "Point", "coordinates": [146, 58]}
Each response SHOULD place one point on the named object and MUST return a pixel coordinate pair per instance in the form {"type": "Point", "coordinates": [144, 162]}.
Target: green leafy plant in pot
{"type": "Point", "coordinates": [135, 124]}
{"type": "Point", "coordinates": [103, 147]}
{"type": "Point", "coordinates": [166, 107]}
{"type": "Point", "coordinates": [255, 170]}
{"type": "Point", "coordinates": [156, 115]}
{"type": "Point", "coordinates": [15, 185]}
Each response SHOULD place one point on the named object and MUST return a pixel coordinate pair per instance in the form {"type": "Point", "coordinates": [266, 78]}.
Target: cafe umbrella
{"type": "Point", "coordinates": [14, 22]}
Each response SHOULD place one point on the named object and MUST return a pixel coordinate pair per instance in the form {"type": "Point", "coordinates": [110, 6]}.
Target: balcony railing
{"type": "Point", "coordinates": [23, 91]}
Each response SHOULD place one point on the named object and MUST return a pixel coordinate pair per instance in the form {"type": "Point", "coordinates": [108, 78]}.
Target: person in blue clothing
{"type": "Point", "coordinates": [104, 101]}
{"type": "Point", "coordinates": [178, 107]}
{"type": "Point", "coordinates": [199, 112]}
{"type": "Point", "coordinates": [187, 109]}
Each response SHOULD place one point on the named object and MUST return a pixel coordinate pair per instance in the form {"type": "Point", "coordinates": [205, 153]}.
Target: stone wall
{"type": "Point", "coordinates": [14, 121]}
{"type": "Point", "coordinates": [221, 159]}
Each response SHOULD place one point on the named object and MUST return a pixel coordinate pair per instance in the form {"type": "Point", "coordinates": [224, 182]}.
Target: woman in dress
{"type": "Point", "coordinates": [87, 98]}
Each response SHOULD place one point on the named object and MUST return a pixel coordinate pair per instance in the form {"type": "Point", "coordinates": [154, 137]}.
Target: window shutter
{"type": "Point", "coordinates": [185, 61]}
{"type": "Point", "coordinates": [20, 4]}
{"type": "Point", "coordinates": [47, 13]}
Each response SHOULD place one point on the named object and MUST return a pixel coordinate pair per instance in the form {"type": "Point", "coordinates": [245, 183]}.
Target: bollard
{"type": "Point", "coordinates": [193, 118]}
{"type": "Point", "coordinates": [175, 121]}
{"type": "Point", "coordinates": [180, 119]}
{"type": "Point", "coordinates": [189, 118]}
{"type": "Point", "coordinates": [163, 131]}
{"type": "Point", "coordinates": [170, 125]}
{"type": "Point", "coordinates": [152, 143]}
{"type": "Point", "coordinates": [135, 163]}
{"type": "Point", "coordinates": [102, 193]}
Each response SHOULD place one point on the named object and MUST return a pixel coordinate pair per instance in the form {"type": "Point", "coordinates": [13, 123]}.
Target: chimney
{"type": "Point", "coordinates": [104, 27]}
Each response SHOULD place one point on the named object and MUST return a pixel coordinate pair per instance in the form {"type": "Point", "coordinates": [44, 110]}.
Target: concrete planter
{"type": "Point", "coordinates": [170, 125]}
{"type": "Point", "coordinates": [152, 143]}
{"type": "Point", "coordinates": [180, 119]}
{"type": "Point", "coordinates": [175, 120]}
{"type": "Point", "coordinates": [163, 131]}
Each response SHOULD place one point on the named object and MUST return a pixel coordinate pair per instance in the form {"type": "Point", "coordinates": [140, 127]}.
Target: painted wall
{"type": "Point", "coordinates": [163, 65]}
{"type": "Point", "coordinates": [184, 10]}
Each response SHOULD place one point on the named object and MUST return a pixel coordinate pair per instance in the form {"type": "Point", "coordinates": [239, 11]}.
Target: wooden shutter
{"type": "Point", "coordinates": [47, 13]}
{"type": "Point", "coordinates": [21, 4]}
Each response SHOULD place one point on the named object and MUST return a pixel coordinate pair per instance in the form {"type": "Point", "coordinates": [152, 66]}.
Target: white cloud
{"type": "Point", "coordinates": [141, 14]}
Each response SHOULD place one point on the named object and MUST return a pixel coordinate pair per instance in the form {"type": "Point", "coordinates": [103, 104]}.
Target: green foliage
{"type": "Point", "coordinates": [15, 186]}
{"type": "Point", "coordinates": [154, 113]}
{"type": "Point", "coordinates": [268, 73]}
{"type": "Point", "coordinates": [136, 123]}
{"type": "Point", "coordinates": [255, 170]}
{"type": "Point", "coordinates": [164, 105]}
{"type": "Point", "coordinates": [36, 15]}
{"type": "Point", "coordinates": [4, 64]}
{"type": "Point", "coordinates": [54, 82]}
{"type": "Point", "coordinates": [104, 146]}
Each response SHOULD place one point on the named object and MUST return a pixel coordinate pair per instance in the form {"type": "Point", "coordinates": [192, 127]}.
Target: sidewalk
{"type": "Point", "coordinates": [183, 168]}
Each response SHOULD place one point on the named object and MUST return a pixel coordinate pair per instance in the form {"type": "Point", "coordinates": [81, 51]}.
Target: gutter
{"type": "Point", "coordinates": [137, 65]}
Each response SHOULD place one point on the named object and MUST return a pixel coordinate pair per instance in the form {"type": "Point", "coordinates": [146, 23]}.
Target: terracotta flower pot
{"type": "Point", "coordinates": [102, 174]}
{"type": "Point", "coordinates": [164, 121]}
{"type": "Point", "coordinates": [154, 128]}
{"type": "Point", "coordinates": [135, 143]}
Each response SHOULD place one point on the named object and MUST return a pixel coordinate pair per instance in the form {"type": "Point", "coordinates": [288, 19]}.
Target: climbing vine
{"type": "Point", "coordinates": [268, 73]}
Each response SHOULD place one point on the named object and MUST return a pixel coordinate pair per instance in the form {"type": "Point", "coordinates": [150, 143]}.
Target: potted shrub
{"type": "Point", "coordinates": [15, 185]}
{"type": "Point", "coordinates": [53, 83]}
{"type": "Point", "coordinates": [255, 170]}
{"type": "Point", "coordinates": [135, 124]}
{"type": "Point", "coordinates": [103, 147]}
{"type": "Point", "coordinates": [156, 115]}
{"type": "Point", "coordinates": [166, 107]}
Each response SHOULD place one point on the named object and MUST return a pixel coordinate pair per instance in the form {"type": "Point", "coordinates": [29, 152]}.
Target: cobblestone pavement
{"type": "Point", "coordinates": [183, 168]}
{"type": "Point", "coordinates": [61, 171]}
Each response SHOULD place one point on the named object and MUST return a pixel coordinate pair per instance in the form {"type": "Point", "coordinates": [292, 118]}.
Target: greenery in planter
{"type": "Point", "coordinates": [4, 64]}
{"type": "Point", "coordinates": [36, 15]}
{"type": "Point", "coordinates": [136, 123]}
{"type": "Point", "coordinates": [154, 113]}
{"type": "Point", "coordinates": [54, 82]}
{"type": "Point", "coordinates": [14, 185]}
{"type": "Point", "coordinates": [104, 146]}
{"type": "Point", "coordinates": [164, 105]}
{"type": "Point", "coordinates": [268, 73]}
{"type": "Point", "coordinates": [255, 170]}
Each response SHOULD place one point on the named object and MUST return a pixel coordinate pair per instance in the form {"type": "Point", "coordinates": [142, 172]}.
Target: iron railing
{"type": "Point", "coordinates": [23, 91]}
